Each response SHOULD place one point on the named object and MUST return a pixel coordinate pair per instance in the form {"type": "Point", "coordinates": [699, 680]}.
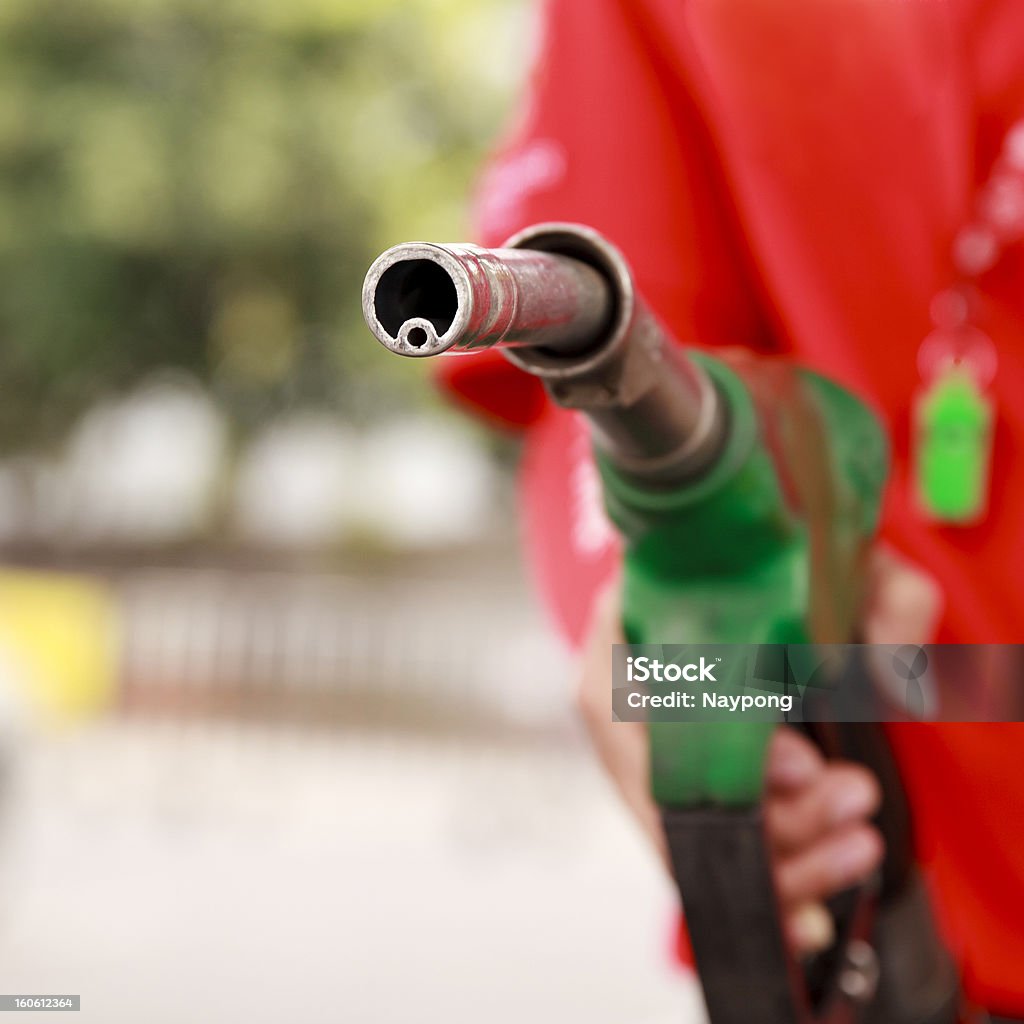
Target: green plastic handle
{"type": "Point", "coordinates": [737, 557]}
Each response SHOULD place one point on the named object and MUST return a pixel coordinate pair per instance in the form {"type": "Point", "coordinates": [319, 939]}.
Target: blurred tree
{"type": "Point", "coordinates": [203, 185]}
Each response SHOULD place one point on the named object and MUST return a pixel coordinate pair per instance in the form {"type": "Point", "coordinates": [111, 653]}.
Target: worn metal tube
{"type": "Point", "coordinates": [559, 300]}
{"type": "Point", "coordinates": [421, 299]}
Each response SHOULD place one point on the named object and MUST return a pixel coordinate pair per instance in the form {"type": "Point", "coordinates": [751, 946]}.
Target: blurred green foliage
{"type": "Point", "coordinates": [203, 185]}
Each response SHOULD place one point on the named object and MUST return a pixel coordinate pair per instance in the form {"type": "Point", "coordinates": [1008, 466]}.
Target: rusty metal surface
{"type": "Point", "coordinates": [560, 302]}
{"type": "Point", "coordinates": [422, 299]}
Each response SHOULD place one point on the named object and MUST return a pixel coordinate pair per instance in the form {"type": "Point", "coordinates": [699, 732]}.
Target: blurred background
{"type": "Point", "coordinates": [270, 746]}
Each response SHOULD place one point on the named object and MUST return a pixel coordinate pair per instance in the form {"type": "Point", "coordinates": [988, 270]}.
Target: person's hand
{"type": "Point", "coordinates": [817, 812]}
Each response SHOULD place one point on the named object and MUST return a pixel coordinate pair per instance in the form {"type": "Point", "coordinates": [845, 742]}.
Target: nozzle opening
{"type": "Point", "coordinates": [416, 290]}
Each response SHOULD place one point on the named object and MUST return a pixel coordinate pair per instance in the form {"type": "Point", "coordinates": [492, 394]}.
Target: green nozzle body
{"type": "Point", "coordinates": [766, 547]}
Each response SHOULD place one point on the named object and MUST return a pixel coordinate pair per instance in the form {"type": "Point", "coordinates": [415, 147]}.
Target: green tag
{"type": "Point", "coordinates": [953, 447]}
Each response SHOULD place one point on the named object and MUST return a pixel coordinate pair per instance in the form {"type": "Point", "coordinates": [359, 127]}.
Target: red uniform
{"type": "Point", "coordinates": [790, 175]}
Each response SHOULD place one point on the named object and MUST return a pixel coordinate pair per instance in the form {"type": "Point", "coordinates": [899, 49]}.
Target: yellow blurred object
{"type": "Point", "coordinates": [58, 642]}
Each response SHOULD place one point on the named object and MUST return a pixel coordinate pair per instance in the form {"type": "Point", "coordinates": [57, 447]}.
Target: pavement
{"type": "Point", "coordinates": [170, 871]}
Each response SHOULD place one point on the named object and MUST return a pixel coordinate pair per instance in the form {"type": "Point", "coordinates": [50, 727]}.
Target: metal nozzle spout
{"type": "Point", "coordinates": [421, 299]}
{"type": "Point", "coordinates": [560, 302]}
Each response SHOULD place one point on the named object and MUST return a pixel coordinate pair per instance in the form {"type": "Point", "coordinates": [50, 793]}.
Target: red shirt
{"type": "Point", "coordinates": [789, 175]}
